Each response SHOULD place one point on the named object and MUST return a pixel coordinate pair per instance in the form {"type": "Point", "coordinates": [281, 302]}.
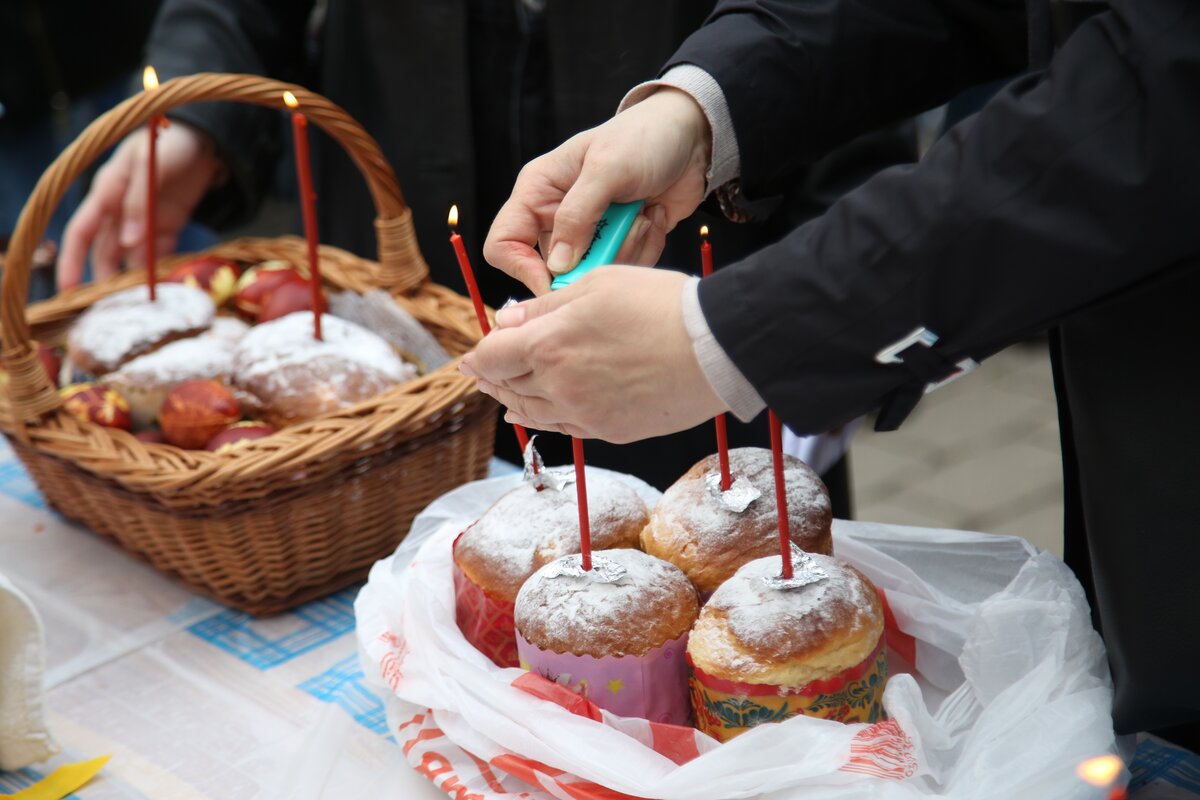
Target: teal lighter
{"type": "Point", "coordinates": [610, 234]}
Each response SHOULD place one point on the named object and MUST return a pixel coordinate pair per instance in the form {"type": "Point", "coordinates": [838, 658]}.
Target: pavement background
{"type": "Point", "coordinates": [980, 454]}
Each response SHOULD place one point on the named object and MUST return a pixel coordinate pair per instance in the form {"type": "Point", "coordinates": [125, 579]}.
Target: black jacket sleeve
{"type": "Point", "coordinates": [804, 77]}
{"type": "Point", "coordinates": [1071, 185]}
{"type": "Point", "coordinates": [262, 37]}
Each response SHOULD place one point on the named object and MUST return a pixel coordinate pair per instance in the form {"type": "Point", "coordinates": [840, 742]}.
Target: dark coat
{"type": "Point", "coordinates": [458, 93]}
{"type": "Point", "coordinates": [53, 51]}
{"type": "Point", "coordinates": [1069, 202]}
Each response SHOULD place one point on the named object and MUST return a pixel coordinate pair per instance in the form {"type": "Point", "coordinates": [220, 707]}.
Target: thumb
{"type": "Point", "coordinates": [575, 220]}
{"type": "Point", "coordinates": [518, 314]}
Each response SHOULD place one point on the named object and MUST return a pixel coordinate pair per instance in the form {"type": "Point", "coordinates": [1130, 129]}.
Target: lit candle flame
{"type": "Point", "coordinates": [1101, 770]}
{"type": "Point", "coordinates": [290, 100]}
{"type": "Point", "coordinates": [704, 230]}
{"type": "Point", "coordinates": [452, 218]}
{"type": "Point", "coordinates": [149, 78]}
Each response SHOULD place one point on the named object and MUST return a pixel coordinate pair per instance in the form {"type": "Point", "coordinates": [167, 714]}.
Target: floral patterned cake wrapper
{"type": "Point", "coordinates": [652, 686]}
{"type": "Point", "coordinates": [725, 709]}
{"type": "Point", "coordinates": [484, 619]}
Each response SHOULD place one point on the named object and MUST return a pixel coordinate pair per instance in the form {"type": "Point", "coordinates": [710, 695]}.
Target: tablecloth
{"type": "Point", "coordinates": [192, 699]}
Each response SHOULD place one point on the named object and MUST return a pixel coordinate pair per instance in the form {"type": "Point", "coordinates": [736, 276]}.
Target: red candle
{"type": "Point", "coordinates": [307, 203]}
{"type": "Point", "coordinates": [722, 436]}
{"type": "Point", "coordinates": [705, 252]}
{"type": "Point", "coordinates": [785, 540]}
{"type": "Point", "coordinates": [150, 82]}
{"type": "Point", "coordinates": [585, 529]}
{"type": "Point", "coordinates": [464, 264]}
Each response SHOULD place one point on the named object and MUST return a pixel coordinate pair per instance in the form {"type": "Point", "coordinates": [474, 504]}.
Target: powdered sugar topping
{"type": "Point", "coordinates": [527, 528]}
{"type": "Point", "coordinates": [569, 608]}
{"type": "Point", "coordinates": [689, 508]}
{"type": "Point", "coordinates": [128, 322]}
{"type": "Point", "coordinates": [227, 329]}
{"type": "Point", "coordinates": [270, 353]}
{"type": "Point", "coordinates": [758, 614]}
{"type": "Point", "coordinates": [207, 355]}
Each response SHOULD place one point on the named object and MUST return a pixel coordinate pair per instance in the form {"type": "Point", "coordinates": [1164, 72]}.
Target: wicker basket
{"type": "Point", "coordinates": [280, 520]}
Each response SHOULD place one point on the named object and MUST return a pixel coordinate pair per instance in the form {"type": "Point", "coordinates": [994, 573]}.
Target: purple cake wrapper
{"type": "Point", "coordinates": [653, 686]}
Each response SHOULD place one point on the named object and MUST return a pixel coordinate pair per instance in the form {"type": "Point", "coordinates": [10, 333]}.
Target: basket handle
{"type": "Point", "coordinates": [400, 268]}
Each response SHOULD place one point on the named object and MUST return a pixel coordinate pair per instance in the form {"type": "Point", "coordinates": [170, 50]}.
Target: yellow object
{"type": "Point", "coordinates": [62, 781]}
{"type": "Point", "coordinates": [1101, 770]}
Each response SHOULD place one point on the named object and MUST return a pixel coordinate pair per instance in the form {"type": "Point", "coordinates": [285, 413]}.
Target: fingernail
{"type": "Point", "coordinates": [640, 225]}
{"type": "Point", "coordinates": [465, 369]}
{"type": "Point", "coordinates": [486, 388]}
{"type": "Point", "coordinates": [131, 232]}
{"type": "Point", "coordinates": [658, 216]}
{"type": "Point", "coordinates": [560, 258]}
{"type": "Point", "coordinates": [510, 317]}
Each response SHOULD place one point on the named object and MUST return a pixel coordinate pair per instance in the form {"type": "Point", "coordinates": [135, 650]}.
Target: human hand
{"type": "Point", "coordinates": [111, 219]}
{"type": "Point", "coordinates": [607, 357]}
{"type": "Point", "coordinates": [657, 150]}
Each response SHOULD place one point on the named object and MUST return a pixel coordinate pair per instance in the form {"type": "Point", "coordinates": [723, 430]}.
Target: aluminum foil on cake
{"type": "Point", "coordinates": [536, 473]}
{"type": "Point", "coordinates": [603, 570]}
{"type": "Point", "coordinates": [737, 498]}
{"type": "Point", "coordinates": [805, 571]}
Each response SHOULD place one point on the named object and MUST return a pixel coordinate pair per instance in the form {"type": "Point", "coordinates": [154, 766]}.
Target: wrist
{"type": "Point", "coordinates": [722, 376]}
{"type": "Point", "coordinates": [722, 159]}
{"type": "Point", "coordinates": [691, 121]}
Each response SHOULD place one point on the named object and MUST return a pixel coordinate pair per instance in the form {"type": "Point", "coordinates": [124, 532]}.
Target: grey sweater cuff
{"type": "Point", "coordinates": [725, 161]}
{"type": "Point", "coordinates": [726, 380]}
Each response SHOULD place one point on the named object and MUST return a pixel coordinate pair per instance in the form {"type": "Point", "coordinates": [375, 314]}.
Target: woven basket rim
{"type": "Point", "coordinates": [356, 424]}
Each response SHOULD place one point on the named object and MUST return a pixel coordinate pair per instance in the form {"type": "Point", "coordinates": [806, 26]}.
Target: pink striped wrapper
{"type": "Point", "coordinates": [653, 686]}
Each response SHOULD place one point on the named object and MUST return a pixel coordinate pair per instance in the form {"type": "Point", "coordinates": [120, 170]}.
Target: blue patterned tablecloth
{"type": "Point", "coordinates": [192, 699]}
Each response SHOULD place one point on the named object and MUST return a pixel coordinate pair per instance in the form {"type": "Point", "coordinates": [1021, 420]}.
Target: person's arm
{"type": "Point", "coordinates": [215, 159]}
{"type": "Point", "coordinates": [1070, 186]}
{"type": "Point", "coordinates": [802, 78]}
{"type": "Point", "coordinates": [791, 79]}
{"type": "Point", "coordinates": [1064, 189]}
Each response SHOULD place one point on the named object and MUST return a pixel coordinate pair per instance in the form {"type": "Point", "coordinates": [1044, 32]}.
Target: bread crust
{"type": "Point", "coordinates": [281, 374]}
{"type": "Point", "coordinates": [655, 603]}
{"type": "Point", "coordinates": [691, 529]}
{"type": "Point", "coordinates": [127, 324]}
{"type": "Point", "coordinates": [752, 633]}
{"type": "Point", "coordinates": [526, 528]}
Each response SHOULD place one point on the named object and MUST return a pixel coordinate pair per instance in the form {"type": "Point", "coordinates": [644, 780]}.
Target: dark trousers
{"type": "Point", "coordinates": [1128, 392]}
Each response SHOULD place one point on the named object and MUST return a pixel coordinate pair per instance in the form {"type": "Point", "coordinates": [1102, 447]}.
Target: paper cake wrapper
{"type": "Point", "coordinates": [725, 709]}
{"type": "Point", "coordinates": [485, 620]}
{"type": "Point", "coordinates": [651, 686]}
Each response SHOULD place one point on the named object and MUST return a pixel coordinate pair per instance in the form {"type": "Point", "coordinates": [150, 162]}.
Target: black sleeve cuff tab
{"type": "Point", "coordinates": [930, 370]}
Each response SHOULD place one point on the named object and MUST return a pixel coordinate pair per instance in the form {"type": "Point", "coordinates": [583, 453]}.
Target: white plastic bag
{"type": "Point", "coordinates": [1009, 693]}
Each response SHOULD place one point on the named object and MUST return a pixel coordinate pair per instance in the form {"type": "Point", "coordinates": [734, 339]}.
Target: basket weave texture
{"type": "Point", "coordinates": [280, 520]}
